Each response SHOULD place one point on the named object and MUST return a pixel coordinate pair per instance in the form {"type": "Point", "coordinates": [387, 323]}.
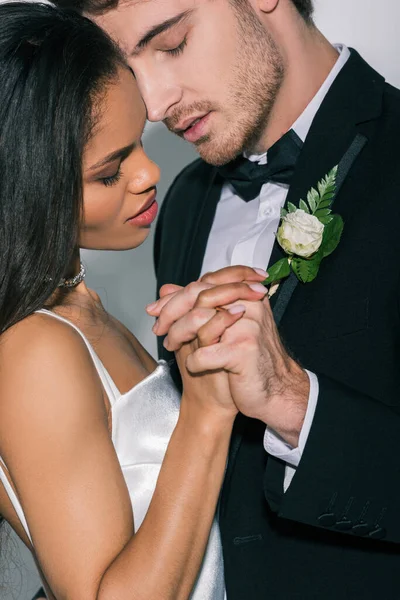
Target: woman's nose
{"type": "Point", "coordinates": [147, 174]}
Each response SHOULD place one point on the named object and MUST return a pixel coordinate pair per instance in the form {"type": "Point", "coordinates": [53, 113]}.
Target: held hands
{"type": "Point", "coordinates": [264, 381]}
{"type": "Point", "coordinates": [207, 393]}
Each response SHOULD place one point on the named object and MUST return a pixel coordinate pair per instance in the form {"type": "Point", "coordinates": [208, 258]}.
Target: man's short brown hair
{"type": "Point", "coordinates": [305, 8]}
{"type": "Point", "coordinates": [96, 7]}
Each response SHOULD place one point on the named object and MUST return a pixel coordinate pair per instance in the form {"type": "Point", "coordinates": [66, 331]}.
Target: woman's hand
{"type": "Point", "coordinates": [207, 393]}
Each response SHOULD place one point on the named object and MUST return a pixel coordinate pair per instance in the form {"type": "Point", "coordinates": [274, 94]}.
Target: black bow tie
{"type": "Point", "coordinates": [248, 177]}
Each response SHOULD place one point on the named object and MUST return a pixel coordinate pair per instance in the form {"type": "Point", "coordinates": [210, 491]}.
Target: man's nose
{"type": "Point", "coordinates": [158, 94]}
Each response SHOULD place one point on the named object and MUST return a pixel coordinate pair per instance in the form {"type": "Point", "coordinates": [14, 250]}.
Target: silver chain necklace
{"type": "Point", "coordinates": [74, 281]}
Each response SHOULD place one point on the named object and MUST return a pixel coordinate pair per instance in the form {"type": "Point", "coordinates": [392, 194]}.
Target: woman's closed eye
{"type": "Point", "coordinates": [110, 180]}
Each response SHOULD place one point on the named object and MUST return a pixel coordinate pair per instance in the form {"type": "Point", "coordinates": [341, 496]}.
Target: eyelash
{"type": "Point", "coordinates": [113, 179]}
{"type": "Point", "coordinates": [179, 49]}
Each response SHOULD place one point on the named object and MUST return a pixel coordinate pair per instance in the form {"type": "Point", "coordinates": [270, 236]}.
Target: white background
{"type": "Point", "coordinates": [126, 282]}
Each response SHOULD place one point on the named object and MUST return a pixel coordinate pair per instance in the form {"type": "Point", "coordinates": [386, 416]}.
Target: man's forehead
{"type": "Point", "coordinates": [129, 22]}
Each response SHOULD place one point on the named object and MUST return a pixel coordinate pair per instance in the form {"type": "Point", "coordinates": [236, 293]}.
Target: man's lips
{"type": "Point", "coordinates": [198, 129]}
{"type": "Point", "coordinates": [187, 123]}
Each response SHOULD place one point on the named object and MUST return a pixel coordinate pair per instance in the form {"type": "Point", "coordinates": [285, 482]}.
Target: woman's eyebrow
{"type": "Point", "coordinates": [120, 153]}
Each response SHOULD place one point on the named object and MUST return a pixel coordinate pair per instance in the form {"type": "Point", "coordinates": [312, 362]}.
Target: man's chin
{"type": "Point", "coordinates": [215, 154]}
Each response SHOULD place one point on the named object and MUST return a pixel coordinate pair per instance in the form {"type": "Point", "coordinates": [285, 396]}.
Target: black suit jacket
{"type": "Point", "coordinates": [334, 533]}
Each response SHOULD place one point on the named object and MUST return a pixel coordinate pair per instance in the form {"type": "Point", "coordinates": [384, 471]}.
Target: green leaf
{"type": "Point", "coordinates": [325, 220]}
{"type": "Point", "coordinates": [278, 271]}
{"type": "Point", "coordinates": [305, 270]}
{"type": "Point", "coordinates": [283, 213]}
{"type": "Point", "coordinates": [328, 182]}
{"type": "Point", "coordinates": [291, 207]}
{"type": "Point", "coordinates": [331, 238]}
{"type": "Point", "coordinates": [325, 204]}
{"type": "Point", "coordinates": [327, 196]}
{"type": "Point", "coordinates": [326, 188]}
{"type": "Point", "coordinates": [322, 212]}
{"type": "Point", "coordinates": [304, 207]}
{"type": "Point", "coordinates": [313, 199]}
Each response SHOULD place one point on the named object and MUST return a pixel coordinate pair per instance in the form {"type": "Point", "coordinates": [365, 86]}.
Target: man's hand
{"type": "Point", "coordinates": [265, 382]}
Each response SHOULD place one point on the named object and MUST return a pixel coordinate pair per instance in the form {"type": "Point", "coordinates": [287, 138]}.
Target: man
{"type": "Point", "coordinates": [309, 505]}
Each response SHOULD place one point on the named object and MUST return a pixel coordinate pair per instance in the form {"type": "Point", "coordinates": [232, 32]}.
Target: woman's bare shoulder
{"type": "Point", "coordinates": [43, 352]}
{"type": "Point", "coordinates": [39, 337]}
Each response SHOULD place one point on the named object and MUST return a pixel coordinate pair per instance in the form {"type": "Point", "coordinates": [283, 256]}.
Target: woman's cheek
{"type": "Point", "coordinates": [102, 208]}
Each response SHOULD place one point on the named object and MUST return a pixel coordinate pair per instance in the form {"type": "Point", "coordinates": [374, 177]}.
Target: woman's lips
{"type": "Point", "coordinates": [147, 214]}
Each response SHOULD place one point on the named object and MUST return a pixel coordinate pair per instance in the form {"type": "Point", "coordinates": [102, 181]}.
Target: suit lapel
{"type": "Point", "coordinates": [288, 287]}
{"type": "Point", "coordinates": [206, 214]}
{"type": "Point", "coordinates": [334, 139]}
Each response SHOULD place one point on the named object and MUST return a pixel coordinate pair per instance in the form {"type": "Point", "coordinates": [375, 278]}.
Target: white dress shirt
{"type": "Point", "coordinates": [243, 233]}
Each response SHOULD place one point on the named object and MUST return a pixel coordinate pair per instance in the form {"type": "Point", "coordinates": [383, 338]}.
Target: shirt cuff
{"type": "Point", "coordinates": [277, 447]}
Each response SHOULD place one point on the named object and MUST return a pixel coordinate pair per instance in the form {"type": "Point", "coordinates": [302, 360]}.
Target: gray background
{"type": "Point", "coordinates": [125, 281]}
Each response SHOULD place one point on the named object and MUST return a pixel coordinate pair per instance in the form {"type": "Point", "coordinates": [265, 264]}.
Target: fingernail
{"type": "Point", "coordinates": [261, 272]}
{"type": "Point", "coordinates": [235, 310]}
{"type": "Point", "coordinates": [155, 327]}
{"type": "Point", "coordinates": [258, 287]}
{"type": "Point", "coordinates": [165, 343]}
{"type": "Point", "coordinates": [151, 306]}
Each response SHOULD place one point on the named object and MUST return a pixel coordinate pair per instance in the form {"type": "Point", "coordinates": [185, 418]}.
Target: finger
{"type": "Point", "coordinates": [258, 311]}
{"type": "Point", "coordinates": [211, 332]}
{"type": "Point", "coordinates": [234, 274]}
{"type": "Point", "coordinates": [238, 341]}
{"type": "Point", "coordinates": [155, 308]}
{"type": "Point", "coordinates": [213, 358]}
{"type": "Point", "coordinates": [229, 293]}
{"type": "Point", "coordinates": [187, 328]}
{"type": "Point", "coordinates": [246, 331]}
{"type": "Point", "coordinates": [169, 288]}
{"type": "Point", "coordinates": [178, 305]}
{"type": "Point", "coordinates": [167, 291]}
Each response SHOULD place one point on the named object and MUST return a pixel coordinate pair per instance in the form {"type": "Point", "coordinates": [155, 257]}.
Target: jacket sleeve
{"type": "Point", "coordinates": [348, 479]}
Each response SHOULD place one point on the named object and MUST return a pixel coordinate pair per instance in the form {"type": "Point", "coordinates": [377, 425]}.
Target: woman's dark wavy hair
{"type": "Point", "coordinates": [54, 65]}
{"type": "Point", "coordinates": [98, 7]}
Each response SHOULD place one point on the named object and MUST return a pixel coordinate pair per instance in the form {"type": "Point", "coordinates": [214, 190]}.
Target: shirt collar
{"type": "Point", "coordinates": [303, 124]}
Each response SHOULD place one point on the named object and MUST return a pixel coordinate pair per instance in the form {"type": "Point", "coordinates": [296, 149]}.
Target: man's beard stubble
{"type": "Point", "coordinates": [254, 86]}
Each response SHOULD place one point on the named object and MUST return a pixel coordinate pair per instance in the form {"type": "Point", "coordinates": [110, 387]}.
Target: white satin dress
{"type": "Point", "coordinates": [143, 420]}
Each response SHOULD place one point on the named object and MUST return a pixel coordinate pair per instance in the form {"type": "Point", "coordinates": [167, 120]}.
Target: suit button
{"type": "Point", "coordinates": [344, 524]}
{"type": "Point", "coordinates": [327, 520]}
{"type": "Point", "coordinates": [361, 528]}
{"type": "Point", "coordinates": [377, 534]}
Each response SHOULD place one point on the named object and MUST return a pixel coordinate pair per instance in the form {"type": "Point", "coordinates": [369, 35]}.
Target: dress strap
{"type": "Point", "coordinates": [111, 389]}
{"type": "Point", "coordinates": [13, 498]}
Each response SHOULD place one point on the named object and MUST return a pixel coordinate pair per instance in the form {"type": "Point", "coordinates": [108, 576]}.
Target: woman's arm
{"type": "Point", "coordinates": [55, 441]}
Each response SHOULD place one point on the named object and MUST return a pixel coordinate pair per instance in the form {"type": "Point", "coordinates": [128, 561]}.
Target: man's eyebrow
{"type": "Point", "coordinates": [120, 153]}
{"type": "Point", "coordinates": [157, 29]}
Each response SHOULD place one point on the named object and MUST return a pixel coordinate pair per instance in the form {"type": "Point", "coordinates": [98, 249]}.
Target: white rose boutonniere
{"type": "Point", "coordinates": [300, 233]}
{"type": "Point", "coordinates": [307, 234]}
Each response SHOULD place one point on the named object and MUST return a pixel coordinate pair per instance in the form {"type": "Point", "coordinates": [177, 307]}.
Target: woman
{"type": "Point", "coordinates": [86, 415]}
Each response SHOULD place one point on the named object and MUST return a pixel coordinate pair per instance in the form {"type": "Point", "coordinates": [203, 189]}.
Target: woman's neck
{"type": "Point", "coordinates": [77, 302]}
